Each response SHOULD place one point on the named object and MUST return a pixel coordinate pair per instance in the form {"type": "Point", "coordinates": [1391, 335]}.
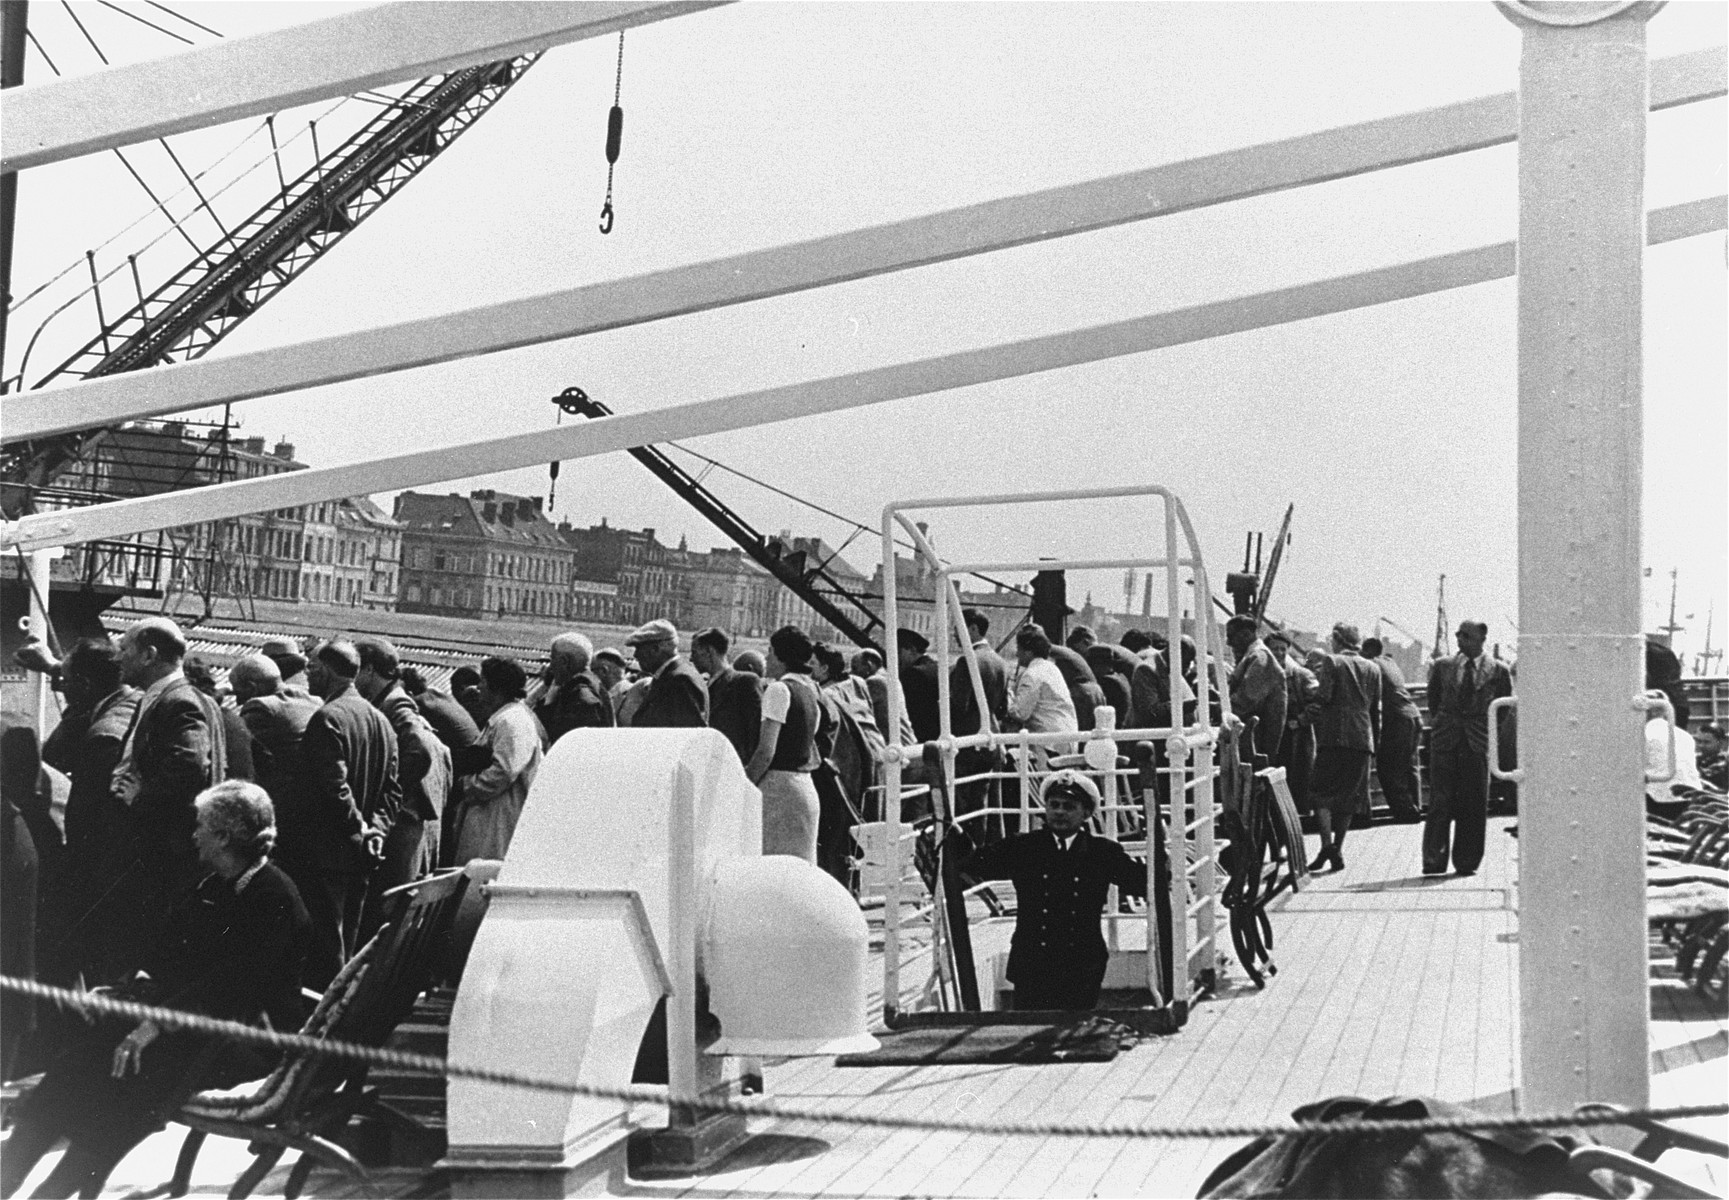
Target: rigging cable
{"type": "Point", "coordinates": [857, 526]}
{"type": "Point", "coordinates": [182, 17]}
{"type": "Point", "coordinates": [146, 21]}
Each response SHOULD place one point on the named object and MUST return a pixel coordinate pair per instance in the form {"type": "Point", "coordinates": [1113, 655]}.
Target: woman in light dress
{"type": "Point", "coordinates": [786, 751]}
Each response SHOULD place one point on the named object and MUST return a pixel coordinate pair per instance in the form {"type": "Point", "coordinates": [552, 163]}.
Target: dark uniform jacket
{"type": "Point", "coordinates": [581, 703]}
{"type": "Point", "coordinates": [353, 786]}
{"type": "Point", "coordinates": [677, 698]}
{"type": "Point", "coordinates": [1060, 895]}
{"type": "Point", "coordinates": [735, 708]}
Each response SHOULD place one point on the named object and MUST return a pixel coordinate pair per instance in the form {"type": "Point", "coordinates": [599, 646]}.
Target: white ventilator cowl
{"type": "Point", "coordinates": [784, 951]}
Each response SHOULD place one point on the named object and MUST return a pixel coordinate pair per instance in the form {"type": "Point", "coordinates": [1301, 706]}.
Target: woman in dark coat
{"type": "Point", "coordinates": [232, 950]}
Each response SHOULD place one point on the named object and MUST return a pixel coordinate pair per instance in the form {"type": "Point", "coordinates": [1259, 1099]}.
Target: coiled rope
{"type": "Point", "coordinates": [86, 1003]}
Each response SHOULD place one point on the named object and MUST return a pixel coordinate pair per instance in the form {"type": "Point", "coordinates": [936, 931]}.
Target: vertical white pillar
{"type": "Point", "coordinates": [1583, 987]}
{"type": "Point", "coordinates": [41, 563]}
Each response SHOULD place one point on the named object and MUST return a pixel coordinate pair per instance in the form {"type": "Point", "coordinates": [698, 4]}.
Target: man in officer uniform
{"type": "Point", "coordinates": [1061, 876]}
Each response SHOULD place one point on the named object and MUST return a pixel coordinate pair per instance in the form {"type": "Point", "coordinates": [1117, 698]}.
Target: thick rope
{"type": "Point", "coordinates": [167, 1018]}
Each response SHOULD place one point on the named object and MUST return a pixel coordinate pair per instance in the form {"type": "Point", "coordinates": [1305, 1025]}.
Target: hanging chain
{"type": "Point", "coordinates": [614, 136]}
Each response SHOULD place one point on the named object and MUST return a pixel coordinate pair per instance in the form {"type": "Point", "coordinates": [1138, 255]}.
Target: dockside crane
{"type": "Point", "coordinates": [810, 581]}
{"type": "Point", "coordinates": [239, 271]}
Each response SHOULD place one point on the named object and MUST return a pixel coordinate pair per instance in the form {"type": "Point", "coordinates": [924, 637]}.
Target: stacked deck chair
{"type": "Point", "coordinates": [1687, 876]}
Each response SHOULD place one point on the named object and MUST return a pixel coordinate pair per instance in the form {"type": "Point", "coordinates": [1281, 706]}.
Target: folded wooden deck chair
{"type": "Point", "coordinates": [305, 1103]}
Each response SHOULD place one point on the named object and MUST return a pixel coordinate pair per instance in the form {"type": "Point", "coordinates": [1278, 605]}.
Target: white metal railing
{"type": "Point", "coordinates": [1189, 767]}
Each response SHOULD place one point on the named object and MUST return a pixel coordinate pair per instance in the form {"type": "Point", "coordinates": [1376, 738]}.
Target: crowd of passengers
{"type": "Point", "coordinates": [223, 848]}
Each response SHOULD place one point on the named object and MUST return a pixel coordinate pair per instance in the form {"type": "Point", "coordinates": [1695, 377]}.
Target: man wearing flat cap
{"type": "Point", "coordinates": [1062, 875]}
{"type": "Point", "coordinates": [291, 663]}
{"type": "Point", "coordinates": [919, 688]}
{"type": "Point", "coordinates": [677, 696]}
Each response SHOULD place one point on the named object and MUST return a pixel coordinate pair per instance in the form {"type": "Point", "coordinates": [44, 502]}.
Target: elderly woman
{"type": "Point", "coordinates": [786, 750]}
{"type": "Point", "coordinates": [233, 951]}
{"type": "Point", "coordinates": [492, 798]}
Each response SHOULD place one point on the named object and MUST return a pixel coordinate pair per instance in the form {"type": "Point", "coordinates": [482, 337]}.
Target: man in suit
{"type": "Point", "coordinates": [1401, 726]}
{"type": "Point", "coordinates": [964, 716]}
{"type": "Point", "coordinates": [277, 722]}
{"type": "Point", "coordinates": [1257, 685]}
{"type": "Point", "coordinates": [354, 794]}
{"type": "Point", "coordinates": [1061, 874]}
{"type": "Point", "coordinates": [176, 747]}
{"type": "Point", "coordinates": [1460, 691]}
{"type": "Point", "coordinates": [423, 772]}
{"type": "Point", "coordinates": [1346, 714]}
{"type": "Point", "coordinates": [918, 675]}
{"type": "Point", "coordinates": [570, 696]}
{"type": "Point", "coordinates": [85, 745]}
{"type": "Point", "coordinates": [734, 697]}
{"type": "Point", "coordinates": [677, 697]}
{"type": "Point", "coordinates": [1297, 750]}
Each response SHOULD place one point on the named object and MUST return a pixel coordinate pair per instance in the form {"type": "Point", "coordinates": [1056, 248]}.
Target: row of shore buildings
{"type": "Point", "coordinates": [483, 555]}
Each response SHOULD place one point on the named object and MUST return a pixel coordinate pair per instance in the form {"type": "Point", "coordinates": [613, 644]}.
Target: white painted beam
{"type": "Point", "coordinates": [857, 254]}
{"type": "Point", "coordinates": [941, 373]}
{"type": "Point", "coordinates": [268, 72]}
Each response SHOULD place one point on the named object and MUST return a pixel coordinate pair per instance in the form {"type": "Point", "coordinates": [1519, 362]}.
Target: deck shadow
{"type": "Point", "coordinates": [1388, 885]}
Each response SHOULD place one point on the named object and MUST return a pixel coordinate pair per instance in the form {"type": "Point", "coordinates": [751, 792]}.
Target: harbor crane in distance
{"type": "Point", "coordinates": [231, 276]}
{"type": "Point", "coordinates": [810, 581]}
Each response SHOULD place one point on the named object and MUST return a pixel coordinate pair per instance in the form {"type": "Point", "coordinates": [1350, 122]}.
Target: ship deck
{"type": "Point", "coordinates": [1389, 984]}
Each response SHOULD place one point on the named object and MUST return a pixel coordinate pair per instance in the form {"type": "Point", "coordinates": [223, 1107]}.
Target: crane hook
{"type": "Point", "coordinates": [606, 217]}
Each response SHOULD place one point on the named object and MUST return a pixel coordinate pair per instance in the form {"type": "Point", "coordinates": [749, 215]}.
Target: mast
{"type": "Point", "coordinates": [1440, 650]}
{"type": "Point", "coordinates": [1707, 658]}
{"type": "Point", "coordinates": [1671, 628]}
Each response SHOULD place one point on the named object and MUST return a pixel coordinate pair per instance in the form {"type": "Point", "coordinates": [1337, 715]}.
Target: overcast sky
{"type": "Point", "coordinates": [1391, 429]}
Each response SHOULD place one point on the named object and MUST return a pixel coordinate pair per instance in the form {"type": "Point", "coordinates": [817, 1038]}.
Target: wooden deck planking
{"type": "Point", "coordinates": [1389, 984]}
{"type": "Point", "coordinates": [1342, 1015]}
{"type": "Point", "coordinates": [1000, 1099]}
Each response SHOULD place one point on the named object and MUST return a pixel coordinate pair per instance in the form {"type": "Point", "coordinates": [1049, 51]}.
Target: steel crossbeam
{"type": "Point", "coordinates": [857, 254]}
{"type": "Point", "coordinates": [920, 377]}
{"type": "Point", "coordinates": [317, 60]}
